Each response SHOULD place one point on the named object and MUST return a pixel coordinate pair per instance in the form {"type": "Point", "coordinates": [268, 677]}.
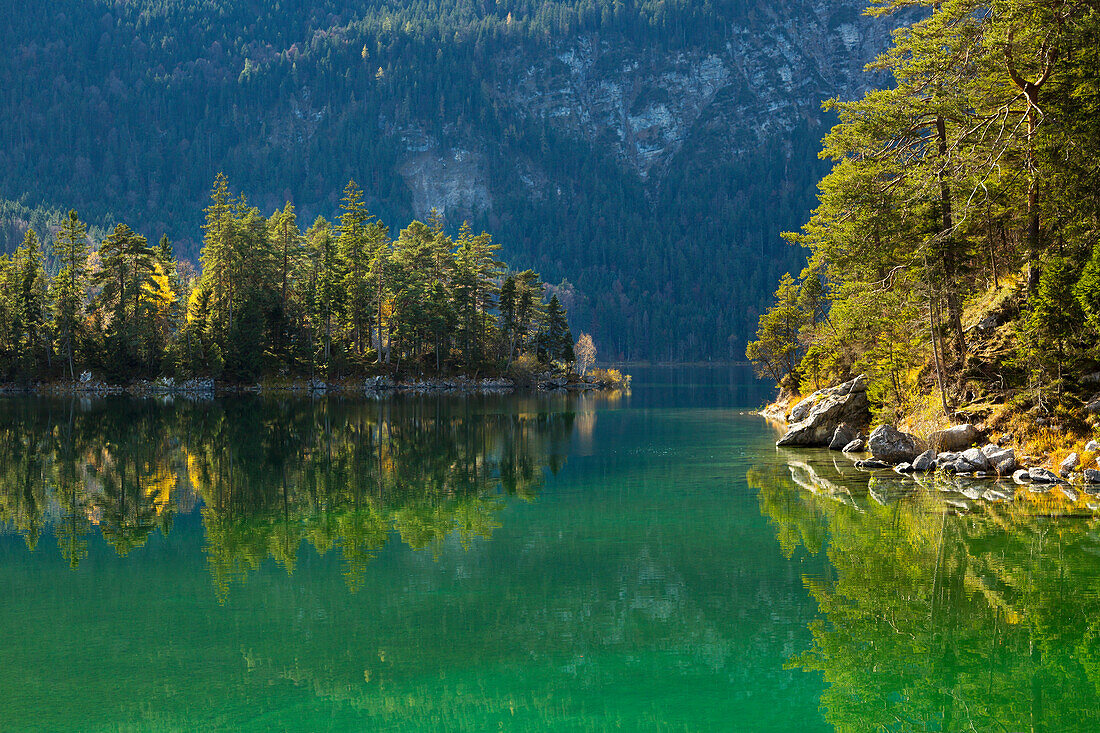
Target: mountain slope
{"type": "Point", "coordinates": [647, 152]}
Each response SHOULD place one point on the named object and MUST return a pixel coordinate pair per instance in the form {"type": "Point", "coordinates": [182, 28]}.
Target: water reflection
{"type": "Point", "coordinates": [943, 609]}
{"type": "Point", "coordinates": [270, 475]}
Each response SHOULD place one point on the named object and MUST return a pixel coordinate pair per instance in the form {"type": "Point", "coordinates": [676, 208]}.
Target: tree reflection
{"type": "Point", "coordinates": [936, 619]}
{"type": "Point", "coordinates": [271, 475]}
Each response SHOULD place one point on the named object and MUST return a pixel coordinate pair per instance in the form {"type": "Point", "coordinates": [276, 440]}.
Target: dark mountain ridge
{"type": "Point", "coordinates": [649, 153]}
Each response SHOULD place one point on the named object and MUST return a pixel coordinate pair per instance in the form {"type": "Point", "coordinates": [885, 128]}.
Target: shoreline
{"type": "Point", "coordinates": [369, 386]}
{"type": "Point", "coordinates": [839, 419]}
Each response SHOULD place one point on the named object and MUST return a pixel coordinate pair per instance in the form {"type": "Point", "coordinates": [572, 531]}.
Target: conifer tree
{"type": "Point", "coordinates": [357, 244]}
{"type": "Point", "coordinates": [775, 350]}
{"type": "Point", "coordinates": [555, 340]}
{"type": "Point", "coordinates": [322, 279]}
{"type": "Point", "coordinates": [29, 297]}
{"type": "Point", "coordinates": [128, 298]}
{"type": "Point", "coordinates": [70, 249]}
{"type": "Point", "coordinates": [1054, 319]}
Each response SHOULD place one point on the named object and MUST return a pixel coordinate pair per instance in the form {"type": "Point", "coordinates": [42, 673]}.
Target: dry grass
{"type": "Point", "coordinates": [993, 300]}
{"type": "Point", "coordinates": [925, 416]}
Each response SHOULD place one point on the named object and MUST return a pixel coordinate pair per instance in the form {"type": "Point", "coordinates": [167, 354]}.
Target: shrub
{"type": "Point", "coordinates": [611, 376]}
{"type": "Point", "coordinates": [524, 370]}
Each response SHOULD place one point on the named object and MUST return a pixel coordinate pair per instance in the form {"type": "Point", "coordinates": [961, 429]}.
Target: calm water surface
{"type": "Point", "coordinates": [642, 562]}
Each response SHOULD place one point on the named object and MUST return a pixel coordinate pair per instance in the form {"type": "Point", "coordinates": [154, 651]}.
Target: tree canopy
{"type": "Point", "coordinates": [337, 300]}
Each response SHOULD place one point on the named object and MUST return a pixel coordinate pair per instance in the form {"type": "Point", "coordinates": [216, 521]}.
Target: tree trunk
{"type": "Point", "coordinates": [1032, 92]}
{"type": "Point", "coordinates": [954, 312]}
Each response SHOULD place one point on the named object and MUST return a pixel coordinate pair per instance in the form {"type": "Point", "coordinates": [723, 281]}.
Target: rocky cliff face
{"type": "Point", "coordinates": [654, 110]}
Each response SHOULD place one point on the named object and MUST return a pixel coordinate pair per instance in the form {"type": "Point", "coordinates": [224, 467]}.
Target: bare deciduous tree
{"type": "Point", "coordinates": [585, 352]}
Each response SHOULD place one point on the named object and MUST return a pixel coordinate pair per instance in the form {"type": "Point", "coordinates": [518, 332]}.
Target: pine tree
{"type": "Point", "coordinates": [774, 352]}
{"type": "Point", "coordinates": [128, 298]}
{"type": "Point", "coordinates": [555, 340]}
{"type": "Point", "coordinates": [322, 280]}
{"type": "Point", "coordinates": [288, 251]}
{"type": "Point", "coordinates": [357, 244]}
{"type": "Point", "coordinates": [70, 249]}
{"type": "Point", "coordinates": [1054, 318]}
{"type": "Point", "coordinates": [28, 305]}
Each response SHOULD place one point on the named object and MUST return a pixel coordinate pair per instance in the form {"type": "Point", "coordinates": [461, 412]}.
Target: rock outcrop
{"type": "Point", "coordinates": [814, 420]}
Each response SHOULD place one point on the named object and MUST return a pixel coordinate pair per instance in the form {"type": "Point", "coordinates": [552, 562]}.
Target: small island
{"type": "Point", "coordinates": [340, 306]}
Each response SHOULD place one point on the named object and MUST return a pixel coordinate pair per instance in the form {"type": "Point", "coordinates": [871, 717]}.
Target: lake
{"type": "Point", "coordinates": [641, 561]}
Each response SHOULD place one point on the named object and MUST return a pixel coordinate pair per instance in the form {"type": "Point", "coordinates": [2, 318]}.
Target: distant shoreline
{"type": "Point", "coordinates": [371, 386]}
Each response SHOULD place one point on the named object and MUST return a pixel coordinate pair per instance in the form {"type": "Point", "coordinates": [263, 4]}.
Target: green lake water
{"type": "Point", "coordinates": [641, 561]}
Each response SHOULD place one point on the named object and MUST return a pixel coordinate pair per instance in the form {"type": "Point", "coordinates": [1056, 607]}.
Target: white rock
{"type": "Point", "coordinates": [1068, 464]}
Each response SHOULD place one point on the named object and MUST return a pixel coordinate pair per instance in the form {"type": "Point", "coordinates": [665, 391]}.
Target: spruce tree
{"type": "Point", "coordinates": [70, 249]}
{"type": "Point", "coordinates": [127, 287]}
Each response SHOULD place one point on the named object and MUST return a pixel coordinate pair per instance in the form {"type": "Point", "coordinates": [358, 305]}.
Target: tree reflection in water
{"type": "Point", "coordinates": [272, 474]}
{"type": "Point", "coordinates": [983, 618]}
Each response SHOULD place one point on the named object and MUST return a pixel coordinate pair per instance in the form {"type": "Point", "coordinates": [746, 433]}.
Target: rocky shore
{"type": "Point", "coordinates": [838, 418]}
{"type": "Point", "coordinates": [370, 386]}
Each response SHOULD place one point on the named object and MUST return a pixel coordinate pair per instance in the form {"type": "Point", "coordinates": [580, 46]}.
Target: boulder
{"type": "Point", "coordinates": [1092, 446]}
{"type": "Point", "coordinates": [1093, 407]}
{"type": "Point", "coordinates": [842, 436]}
{"type": "Point", "coordinates": [1002, 460]}
{"type": "Point", "coordinates": [925, 461]}
{"type": "Point", "coordinates": [1091, 476]}
{"type": "Point", "coordinates": [889, 444]}
{"type": "Point", "coordinates": [1042, 476]}
{"type": "Point", "coordinates": [872, 463]}
{"type": "Point", "coordinates": [954, 438]}
{"type": "Point", "coordinates": [817, 417]}
{"type": "Point", "coordinates": [855, 446]}
{"type": "Point", "coordinates": [904, 468]}
{"type": "Point", "coordinates": [1021, 476]}
{"type": "Point", "coordinates": [1070, 462]}
{"type": "Point", "coordinates": [945, 458]}
{"type": "Point", "coordinates": [976, 459]}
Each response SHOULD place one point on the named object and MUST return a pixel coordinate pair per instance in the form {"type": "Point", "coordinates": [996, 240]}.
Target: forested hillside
{"type": "Point", "coordinates": [647, 152]}
{"type": "Point", "coordinates": [955, 253]}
